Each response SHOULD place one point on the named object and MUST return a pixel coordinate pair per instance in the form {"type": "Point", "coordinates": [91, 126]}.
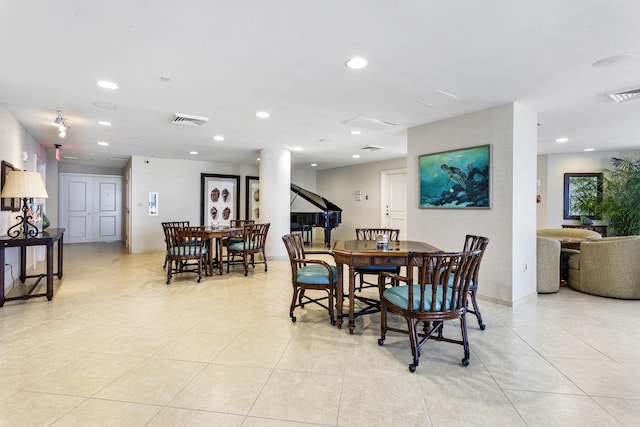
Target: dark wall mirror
{"type": "Point", "coordinates": [582, 194]}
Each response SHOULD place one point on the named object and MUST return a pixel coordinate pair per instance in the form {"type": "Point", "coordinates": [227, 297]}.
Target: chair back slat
{"type": "Point", "coordinates": [372, 233]}
{"type": "Point", "coordinates": [446, 277]}
{"type": "Point", "coordinates": [472, 243]}
{"type": "Point", "coordinates": [191, 240]}
{"type": "Point", "coordinates": [255, 236]}
{"type": "Point", "coordinates": [295, 246]}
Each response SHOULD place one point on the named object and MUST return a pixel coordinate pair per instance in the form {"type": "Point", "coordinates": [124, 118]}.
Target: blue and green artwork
{"type": "Point", "coordinates": [455, 179]}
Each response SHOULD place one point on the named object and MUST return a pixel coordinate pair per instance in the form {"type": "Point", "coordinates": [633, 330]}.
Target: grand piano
{"type": "Point", "coordinates": [328, 219]}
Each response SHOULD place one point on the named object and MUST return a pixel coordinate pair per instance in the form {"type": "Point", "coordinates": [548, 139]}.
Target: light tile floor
{"type": "Point", "coordinates": [119, 347]}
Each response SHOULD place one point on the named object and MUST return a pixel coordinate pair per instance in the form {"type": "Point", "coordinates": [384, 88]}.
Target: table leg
{"type": "Point", "coordinates": [60, 258]}
{"type": "Point", "coordinates": [219, 255]}
{"type": "Point", "coordinates": [49, 271]}
{"type": "Point", "coordinates": [23, 264]}
{"type": "Point", "coordinates": [2, 276]}
{"type": "Point", "coordinates": [339, 296]}
{"type": "Point", "coordinates": [352, 291]}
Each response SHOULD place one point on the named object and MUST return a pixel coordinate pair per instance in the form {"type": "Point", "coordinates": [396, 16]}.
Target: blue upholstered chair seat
{"type": "Point", "coordinates": [187, 250]}
{"type": "Point", "coordinates": [238, 246]}
{"type": "Point", "coordinates": [316, 274]}
{"type": "Point", "coordinates": [399, 296]}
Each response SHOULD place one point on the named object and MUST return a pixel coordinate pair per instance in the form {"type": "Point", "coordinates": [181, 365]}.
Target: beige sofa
{"type": "Point", "coordinates": [567, 233]}
{"type": "Point", "coordinates": [548, 265]}
{"type": "Point", "coordinates": [565, 253]}
{"type": "Point", "coordinates": [608, 267]}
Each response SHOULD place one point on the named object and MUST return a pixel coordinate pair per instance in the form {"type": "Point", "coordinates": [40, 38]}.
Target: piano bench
{"type": "Point", "coordinates": [305, 230]}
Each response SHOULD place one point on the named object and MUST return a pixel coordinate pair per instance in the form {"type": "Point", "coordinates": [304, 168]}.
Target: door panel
{"type": "Point", "coordinates": [91, 207]}
{"type": "Point", "coordinates": [394, 199]}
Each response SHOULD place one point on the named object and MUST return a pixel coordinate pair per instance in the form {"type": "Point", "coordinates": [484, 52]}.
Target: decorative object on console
{"type": "Point", "coordinates": [24, 185]}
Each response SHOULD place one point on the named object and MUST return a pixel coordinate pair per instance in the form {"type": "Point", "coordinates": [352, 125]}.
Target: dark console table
{"type": "Point", "coordinates": [46, 238]}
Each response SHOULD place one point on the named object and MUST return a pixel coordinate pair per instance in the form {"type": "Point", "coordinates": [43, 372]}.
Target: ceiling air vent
{"type": "Point", "coordinates": [188, 120]}
{"type": "Point", "coordinates": [371, 148]}
{"type": "Point", "coordinates": [625, 95]}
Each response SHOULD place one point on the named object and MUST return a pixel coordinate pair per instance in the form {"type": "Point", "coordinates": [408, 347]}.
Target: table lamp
{"type": "Point", "coordinates": [24, 185]}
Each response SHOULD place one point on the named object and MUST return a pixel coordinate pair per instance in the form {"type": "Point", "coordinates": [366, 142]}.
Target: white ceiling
{"type": "Point", "coordinates": [228, 59]}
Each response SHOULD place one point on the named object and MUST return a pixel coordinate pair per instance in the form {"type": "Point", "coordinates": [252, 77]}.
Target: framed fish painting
{"type": "Point", "coordinates": [456, 179]}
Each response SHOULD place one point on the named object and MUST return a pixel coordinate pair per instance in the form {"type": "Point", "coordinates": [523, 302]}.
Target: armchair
{"type": "Point", "coordinates": [309, 275]}
{"type": "Point", "coordinates": [440, 294]}
{"type": "Point", "coordinates": [607, 267]}
{"type": "Point", "coordinates": [547, 265]}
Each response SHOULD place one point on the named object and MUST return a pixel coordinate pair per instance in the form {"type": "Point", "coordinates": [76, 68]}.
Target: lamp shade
{"type": "Point", "coordinates": [24, 184]}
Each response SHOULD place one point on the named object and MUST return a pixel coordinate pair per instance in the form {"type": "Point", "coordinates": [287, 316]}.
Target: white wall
{"type": "Point", "coordinates": [339, 186]}
{"type": "Point", "coordinates": [510, 223]}
{"type": "Point", "coordinates": [178, 185]}
{"type": "Point", "coordinates": [14, 141]}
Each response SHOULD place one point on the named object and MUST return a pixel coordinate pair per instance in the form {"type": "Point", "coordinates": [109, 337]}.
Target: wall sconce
{"type": "Point", "coordinates": [24, 185]}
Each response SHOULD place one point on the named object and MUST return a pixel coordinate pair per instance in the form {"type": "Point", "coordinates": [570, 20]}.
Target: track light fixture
{"type": "Point", "coordinates": [62, 124]}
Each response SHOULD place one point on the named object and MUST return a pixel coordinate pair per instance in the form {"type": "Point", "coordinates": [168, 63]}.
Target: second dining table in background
{"type": "Point", "coordinates": [219, 234]}
{"type": "Point", "coordinates": [367, 252]}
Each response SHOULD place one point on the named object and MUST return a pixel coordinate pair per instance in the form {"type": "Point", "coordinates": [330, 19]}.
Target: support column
{"type": "Point", "coordinates": [275, 196]}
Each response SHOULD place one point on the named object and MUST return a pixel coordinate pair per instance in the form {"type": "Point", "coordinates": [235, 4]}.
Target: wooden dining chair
{"type": "Point", "coordinates": [440, 294]}
{"type": "Point", "coordinates": [253, 242]}
{"type": "Point", "coordinates": [472, 243]}
{"type": "Point", "coordinates": [237, 223]}
{"type": "Point", "coordinates": [165, 226]}
{"type": "Point", "coordinates": [187, 251]}
{"type": "Point", "coordinates": [310, 275]}
{"type": "Point", "coordinates": [393, 234]}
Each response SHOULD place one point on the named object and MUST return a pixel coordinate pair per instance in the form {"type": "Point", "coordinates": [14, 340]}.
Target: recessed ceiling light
{"type": "Point", "coordinates": [589, 149]}
{"type": "Point", "coordinates": [70, 157]}
{"type": "Point", "coordinates": [297, 148]}
{"type": "Point", "coordinates": [193, 153]}
{"type": "Point", "coordinates": [165, 78]}
{"type": "Point", "coordinates": [103, 143]}
{"type": "Point", "coordinates": [103, 123]}
{"type": "Point", "coordinates": [563, 139]}
{"type": "Point", "coordinates": [106, 84]}
{"type": "Point", "coordinates": [263, 114]}
{"type": "Point", "coordinates": [218, 138]}
{"type": "Point", "coordinates": [258, 159]}
{"type": "Point", "coordinates": [356, 63]}
{"type": "Point", "coordinates": [105, 105]}
{"type": "Point", "coordinates": [356, 132]}
{"type": "Point", "coordinates": [356, 156]}
{"type": "Point", "coordinates": [314, 164]}
{"type": "Point", "coordinates": [612, 60]}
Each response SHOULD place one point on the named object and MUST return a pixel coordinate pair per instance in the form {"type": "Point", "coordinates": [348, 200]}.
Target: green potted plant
{"type": "Point", "coordinates": [621, 198]}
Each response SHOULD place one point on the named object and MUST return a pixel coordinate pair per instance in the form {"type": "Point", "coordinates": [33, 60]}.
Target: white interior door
{"type": "Point", "coordinates": [91, 207]}
{"type": "Point", "coordinates": [394, 200]}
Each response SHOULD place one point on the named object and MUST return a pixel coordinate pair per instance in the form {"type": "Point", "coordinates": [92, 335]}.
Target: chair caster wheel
{"type": "Point", "coordinates": [465, 362]}
{"type": "Point", "coordinates": [412, 368]}
{"type": "Point", "coordinates": [293, 319]}
{"type": "Point", "coordinates": [483, 326]}
{"type": "Point", "coordinates": [380, 341]}
{"type": "Point", "coordinates": [333, 322]}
